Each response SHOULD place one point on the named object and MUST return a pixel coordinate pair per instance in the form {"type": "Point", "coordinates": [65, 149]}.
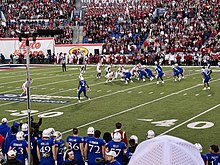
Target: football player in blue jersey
{"type": "Point", "coordinates": [90, 133]}
{"type": "Point", "coordinates": [159, 72]}
{"type": "Point", "coordinates": [75, 143]}
{"type": "Point", "coordinates": [207, 66]}
{"type": "Point", "coordinates": [34, 140]}
{"type": "Point", "coordinates": [142, 74]}
{"type": "Point", "coordinates": [9, 139]}
{"type": "Point", "coordinates": [82, 88]}
{"type": "Point", "coordinates": [206, 79]}
{"type": "Point", "coordinates": [117, 146]}
{"type": "Point", "coordinates": [46, 149]}
{"type": "Point", "coordinates": [175, 73]}
{"type": "Point", "coordinates": [24, 128]}
{"type": "Point", "coordinates": [20, 146]}
{"type": "Point", "coordinates": [213, 156]}
{"type": "Point", "coordinates": [180, 69]}
{"type": "Point", "coordinates": [204, 157]}
{"type": "Point", "coordinates": [130, 150]}
{"type": "Point", "coordinates": [59, 147]}
{"type": "Point", "coordinates": [149, 73]}
{"type": "Point", "coordinates": [94, 148]}
{"type": "Point", "coordinates": [127, 77]}
{"type": "Point", "coordinates": [4, 128]}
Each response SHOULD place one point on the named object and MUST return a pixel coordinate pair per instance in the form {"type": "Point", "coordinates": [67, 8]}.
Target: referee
{"type": "Point", "coordinates": [63, 64]}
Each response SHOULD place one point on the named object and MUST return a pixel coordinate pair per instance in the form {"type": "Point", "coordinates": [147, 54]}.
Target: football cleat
{"type": "Point", "coordinates": [79, 101]}
{"type": "Point", "coordinates": [158, 82]}
{"type": "Point", "coordinates": [208, 88]}
{"type": "Point", "coordinates": [162, 82]}
{"type": "Point", "coordinates": [204, 89]}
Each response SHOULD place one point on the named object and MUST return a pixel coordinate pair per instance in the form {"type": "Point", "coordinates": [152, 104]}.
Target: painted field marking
{"type": "Point", "coordinates": [197, 94]}
{"type": "Point", "coordinates": [200, 114]}
{"type": "Point", "coordinates": [140, 92]}
{"type": "Point", "coordinates": [151, 93]}
{"type": "Point", "coordinates": [162, 93]}
{"type": "Point", "coordinates": [184, 94]}
{"type": "Point", "coordinates": [145, 119]}
{"type": "Point", "coordinates": [133, 108]}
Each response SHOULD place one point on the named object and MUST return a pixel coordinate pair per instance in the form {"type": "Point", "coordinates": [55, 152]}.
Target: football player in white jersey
{"type": "Point", "coordinates": [99, 71]}
{"type": "Point", "coordinates": [109, 76]}
{"type": "Point", "coordinates": [24, 87]}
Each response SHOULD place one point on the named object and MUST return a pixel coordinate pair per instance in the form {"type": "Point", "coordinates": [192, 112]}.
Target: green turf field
{"type": "Point", "coordinates": [176, 108]}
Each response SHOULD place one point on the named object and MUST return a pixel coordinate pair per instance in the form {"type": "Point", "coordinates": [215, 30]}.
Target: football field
{"type": "Point", "coordinates": [180, 108]}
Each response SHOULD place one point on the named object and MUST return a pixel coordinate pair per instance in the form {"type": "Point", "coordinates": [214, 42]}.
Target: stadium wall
{"type": "Point", "coordinates": [10, 46]}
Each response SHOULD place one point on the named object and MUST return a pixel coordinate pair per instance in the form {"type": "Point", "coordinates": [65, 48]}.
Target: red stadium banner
{"type": "Point", "coordinates": [14, 46]}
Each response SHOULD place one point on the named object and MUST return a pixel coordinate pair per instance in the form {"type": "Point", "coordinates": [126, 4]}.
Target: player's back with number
{"type": "Point", "coordinates": [82, 84]}
{"type": "Point", "coordinates": [20, 146]}
{"type": "Point", "coordinates": [46, 149]}
{"type": "Point", "coordinates": [117, 146]}
{"type": "Point", "coordinates": [95, 148]}
{"type": "Point", "coordinates": [75, 143]}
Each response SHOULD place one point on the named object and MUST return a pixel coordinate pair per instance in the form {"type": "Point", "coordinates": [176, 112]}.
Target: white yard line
{"type": "Point", "coordinates": [46, 77]}
{"type": "Point", "coordinates": [200, 114]}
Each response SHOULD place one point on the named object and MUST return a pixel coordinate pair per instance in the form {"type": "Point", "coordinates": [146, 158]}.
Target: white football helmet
{"type": "Point", "coordinates": [58, 135]}
{"type": "Point", "coordinates": [150, 134]}
{"type": "Point", "coordinates": [20, 136]}
{"type": "Point", "coordinates": [46, 133]}
{"type": "Point", "coordinates": [24, 127]}
{"type": "Point", "coordinates": [4, 120]}
{"type": "Point", "coordinates": [51, 131]}
{"type": "Point", "coordinates": [117, 137]}
{"type": "Point", "coordinates": [90, 131]}
{"type": "Point", "coordinates": [198, 146]}
{"type": "Point", "coordinates": [135, 138]}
